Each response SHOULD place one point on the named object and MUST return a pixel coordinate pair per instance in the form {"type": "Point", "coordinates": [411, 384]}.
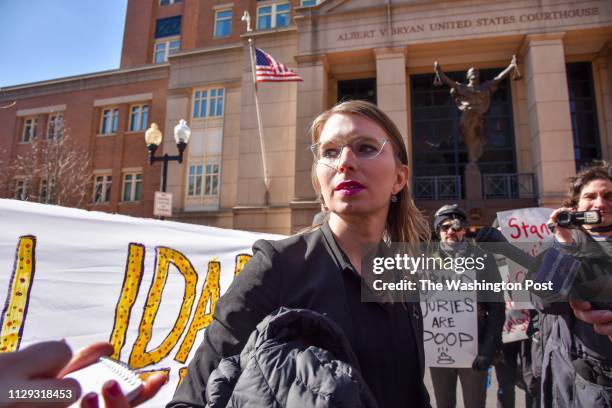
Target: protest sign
{"type": "Point", "coordinates": [527, 228]}
{"type": "Point", "coordinates": [148, 287]}
{"type": "Point", "coordinates": [450, 327]}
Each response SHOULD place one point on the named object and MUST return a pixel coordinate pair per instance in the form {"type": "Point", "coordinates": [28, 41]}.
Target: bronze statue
{"type": "Point", "coordinates": [474, 100]}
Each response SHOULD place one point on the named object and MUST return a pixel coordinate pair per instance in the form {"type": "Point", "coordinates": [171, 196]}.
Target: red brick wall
{"type": "Point", "coordinates": [138, 33]}
{"type": "Point", "coordinates": [197, 26]}
{"type": "Point", "coordinates": [82, 120]}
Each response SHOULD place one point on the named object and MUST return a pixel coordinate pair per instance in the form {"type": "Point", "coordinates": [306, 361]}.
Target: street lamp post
{"type": "Point", "coordinates": [153, 138]}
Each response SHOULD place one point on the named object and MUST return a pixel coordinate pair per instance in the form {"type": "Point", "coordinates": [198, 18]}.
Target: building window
{"type": "Point", "coordinates": [195, 180]}
{"type": "Point", "coordinates": [132, 186]}
{"type": "Point", "coordinates": [309, 3]}
{"type": "Point", "coordinates": [211, 179]}
{"type": "Point", "coordinates": [102, 188]}
{"type": "Point", "coordinates": [273, 16]}
{"type": "Point", "coordinates": [166, 47]}
{"type": "Point", "coordinates": [204, 178]}
{"type": "Point", "coordinates": [110, 121]}
{"type": "Point", "coordinates": [55, 126]}
{"type": "Point", "coordinates": [29, 129]}
{"type": "Point", "coordinates": [21, 189]}
{"type": "Point", "coordinates": [168, 27]}
{"type": "Point", "coordinates": [167, 38]}
{"type": "Point", "coordinates": [364, 89]}
{"type": "Point", "coordinates": [45, 192]}
{"type": "Point", "coordinates": [168, 2]}
{"type": "Point", "coordinates": [223, 23]}
{"type": "Point", "coordinates": [208, 103]}
{"type": "Point", "coordinates": [583, 111]}
{"type": "Point", "coordinates": [139, 117]}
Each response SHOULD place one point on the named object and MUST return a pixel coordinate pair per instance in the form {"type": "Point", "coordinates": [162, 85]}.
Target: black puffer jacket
{"type": "Point", "coordinates": [574, 354]}
{"type": "Point", "coordinates": [294, 358]}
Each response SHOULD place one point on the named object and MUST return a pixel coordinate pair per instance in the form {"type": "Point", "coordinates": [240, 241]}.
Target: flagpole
{"type": "Point", "coordinates": [262, 143]}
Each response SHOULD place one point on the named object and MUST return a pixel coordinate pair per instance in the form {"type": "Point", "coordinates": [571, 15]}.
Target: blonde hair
{"type": "Point", "coordinates": [405, 223]}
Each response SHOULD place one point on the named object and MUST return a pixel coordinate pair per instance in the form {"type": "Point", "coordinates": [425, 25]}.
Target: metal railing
{"type": "Point", "coordinates": [437, 188]}
{"type": "Point", "coordinates": [508, 185]}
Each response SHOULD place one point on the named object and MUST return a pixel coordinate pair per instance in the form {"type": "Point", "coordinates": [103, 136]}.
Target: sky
{"type": "Point", "coordinates": [49, 39]}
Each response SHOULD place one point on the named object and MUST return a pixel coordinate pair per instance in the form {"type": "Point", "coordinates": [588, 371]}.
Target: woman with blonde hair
{"type": "Point", "coordinates": [361, 172]}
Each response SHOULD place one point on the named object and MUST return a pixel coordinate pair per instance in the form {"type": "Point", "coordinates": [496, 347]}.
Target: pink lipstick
{"type": "Point", "coordinates": [349, 187]}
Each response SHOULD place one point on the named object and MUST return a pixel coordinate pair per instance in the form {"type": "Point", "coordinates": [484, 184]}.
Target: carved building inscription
{"type": "Point", "coordinates": [507, 22]}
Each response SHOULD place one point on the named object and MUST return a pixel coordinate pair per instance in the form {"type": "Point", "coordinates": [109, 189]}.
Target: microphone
{"type": "Point", "coordinates": [493, 236]}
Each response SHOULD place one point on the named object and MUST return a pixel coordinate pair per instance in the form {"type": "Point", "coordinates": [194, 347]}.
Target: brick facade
{"type": "Point", "coordinates": [221, 183]}
{"type": "Point", "coordinates": [77, 100]}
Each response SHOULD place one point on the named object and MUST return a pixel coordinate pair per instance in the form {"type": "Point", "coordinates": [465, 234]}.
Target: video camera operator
{"type": "Point", "coordinates": [577, 366]}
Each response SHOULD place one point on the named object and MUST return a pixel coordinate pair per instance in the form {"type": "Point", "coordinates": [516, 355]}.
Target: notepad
{"type": "Point", "coordinates": [93, 377]}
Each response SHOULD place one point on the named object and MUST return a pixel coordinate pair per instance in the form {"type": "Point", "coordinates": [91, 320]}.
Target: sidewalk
{"type": "Point", "coordinates": [491, 393]}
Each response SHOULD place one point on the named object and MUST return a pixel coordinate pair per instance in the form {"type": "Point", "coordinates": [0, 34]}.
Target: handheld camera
{"type": "Point", "coordinates": [570, 219]}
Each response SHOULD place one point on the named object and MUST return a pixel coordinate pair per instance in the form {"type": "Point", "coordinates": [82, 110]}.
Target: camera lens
{"type": "Point", "coordinates": [564, 218]}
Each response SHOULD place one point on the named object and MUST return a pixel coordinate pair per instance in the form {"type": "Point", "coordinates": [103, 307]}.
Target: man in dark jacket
{"type": "Point", "coordinates": [577, 366]}
{"type": "Point", "coordinates": [295, 358]}
{"type": "Point", "coordinates": [450, 226]}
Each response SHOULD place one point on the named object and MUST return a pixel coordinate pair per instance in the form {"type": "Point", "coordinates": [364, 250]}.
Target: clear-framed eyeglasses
{"type": "Point", "coordinates": [328, 152]}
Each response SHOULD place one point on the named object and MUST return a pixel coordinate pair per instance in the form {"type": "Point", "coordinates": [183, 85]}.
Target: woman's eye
{"type": "Point", "coordinates": [366, 148]}
{"type": "Point", "coordinates": [330, 152]}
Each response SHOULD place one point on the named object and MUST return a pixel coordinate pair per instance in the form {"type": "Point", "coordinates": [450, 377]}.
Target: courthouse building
{"type": "Point", "coordinates": [190, 59]}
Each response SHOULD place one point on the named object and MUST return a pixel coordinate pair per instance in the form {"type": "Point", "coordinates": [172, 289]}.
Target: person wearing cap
{"type": "Point", "coordinates": [450, 226]}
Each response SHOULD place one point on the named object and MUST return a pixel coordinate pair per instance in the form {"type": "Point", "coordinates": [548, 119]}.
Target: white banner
{"type": "Point", "coordinates": [450, 326]}
{"type": "Point", "coordinates": [526, 226]}
{"type": "Point", "coordinates": [149, 287]}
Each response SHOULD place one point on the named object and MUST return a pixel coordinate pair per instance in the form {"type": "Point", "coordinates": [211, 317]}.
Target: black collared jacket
{"type": "Point", "coordinates": [309, 271]}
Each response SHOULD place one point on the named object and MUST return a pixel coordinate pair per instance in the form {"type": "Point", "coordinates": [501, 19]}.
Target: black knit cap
{"type": "Point", "coordinates": [452, 211]}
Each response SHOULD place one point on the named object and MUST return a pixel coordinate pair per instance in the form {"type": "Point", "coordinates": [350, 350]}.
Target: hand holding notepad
{"type": "Point", "coordinates": [93, 377]}
{"type": "Point", "coordinates": [47, 369]}
{"type": "Point", "coordinates": [90, 355]}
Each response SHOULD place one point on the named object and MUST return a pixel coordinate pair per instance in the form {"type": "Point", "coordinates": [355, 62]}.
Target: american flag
{"type": "Point", "coordinates": [270, 70]}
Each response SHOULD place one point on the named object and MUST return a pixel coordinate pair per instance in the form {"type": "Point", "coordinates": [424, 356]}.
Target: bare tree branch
{"type": "Point", "coordinates": [55, 170]}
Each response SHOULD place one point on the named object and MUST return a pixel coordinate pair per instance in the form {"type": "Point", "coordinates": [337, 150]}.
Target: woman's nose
{"type": "Point", "coordinates": [347, 159]}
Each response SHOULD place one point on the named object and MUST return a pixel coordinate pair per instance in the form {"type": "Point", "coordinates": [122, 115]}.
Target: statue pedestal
{"type": "Point", "coordinates": [473, 182]}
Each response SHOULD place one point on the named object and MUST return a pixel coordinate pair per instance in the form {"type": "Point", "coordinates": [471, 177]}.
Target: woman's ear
{"type": "Point", "coordinates": [402, 177]}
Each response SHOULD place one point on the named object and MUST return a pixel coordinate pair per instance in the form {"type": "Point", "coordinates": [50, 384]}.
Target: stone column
{"type": "Point", "coordinates": [391, 88]}
{"type": "Point", "coordinates": [311, 101]}
{"type": "Point", "coordinates": [602, 70]}
{"type": "Point", "coordinates": [607, 91]}
{"type": "Point", "coordinates": [277, 104]}
{"type": "Point", "coordinates": [550, 124]}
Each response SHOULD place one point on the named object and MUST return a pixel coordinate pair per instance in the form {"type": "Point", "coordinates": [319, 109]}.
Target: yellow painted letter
{"type": "Point", "coordinates": [131, 284]}
{"type": "Point", "coordinates": [241, 260]}
{"type": "Point", "coordinates": [16, 306]}
{"type": "Point", "coordinates": [139, 357]}
{"type": "Point", "coordinates": [201, 319]}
